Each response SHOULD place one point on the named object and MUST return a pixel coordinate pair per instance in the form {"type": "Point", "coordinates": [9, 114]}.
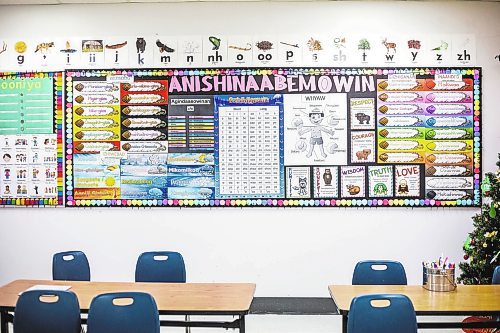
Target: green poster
{"type": "Point", "coordinates": [26, 106]}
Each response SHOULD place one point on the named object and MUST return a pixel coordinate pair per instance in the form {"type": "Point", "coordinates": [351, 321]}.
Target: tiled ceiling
{"type": "Point", "coordinates": [55, 2]}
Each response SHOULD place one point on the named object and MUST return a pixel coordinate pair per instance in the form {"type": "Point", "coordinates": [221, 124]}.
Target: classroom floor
{"type": "Point", "coordinates": [290, 324]}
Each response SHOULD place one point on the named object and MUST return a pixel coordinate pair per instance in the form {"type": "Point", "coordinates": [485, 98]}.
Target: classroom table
{"type": "Point", "coordinates": [205, 299]}
{"type": "Point", "coordinates": [466, 300]}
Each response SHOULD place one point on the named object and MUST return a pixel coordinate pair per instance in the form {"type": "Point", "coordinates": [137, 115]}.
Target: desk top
{"type": "Point", "coordinates": [466, 299]}
{"type": "Point", "coordinates": [171, 298]}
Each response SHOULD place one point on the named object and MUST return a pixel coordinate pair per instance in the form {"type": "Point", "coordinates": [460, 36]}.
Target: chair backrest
{"type": "Point", "coordinates": [379, 272]}
{"type": "Point", "coordinates": [496, 276]}
{"type": "Point", "coordinates": [125, 312]}
{"type": "Point", "coordinates": [70, 266]}
{"type": "Point", "coordinates": [160, 266]}
{"type": "Point", "coordinates": [47, 311]}
{"type": "Point", "coordinates": [395, 315]}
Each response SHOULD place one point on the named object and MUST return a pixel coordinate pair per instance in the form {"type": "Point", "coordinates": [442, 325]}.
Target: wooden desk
{"type": "Point", "coordinates": [171, 299]}
{"type": "Point", "coordinates": [483, 300]}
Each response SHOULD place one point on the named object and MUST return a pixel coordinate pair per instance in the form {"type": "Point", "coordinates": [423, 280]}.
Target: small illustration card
{"type": "Point", "coordinates": [325, 182]}
{"type": "Point", "coordinates": [380, 181]}
{"type": "Point", "coordinates": [362, 113]}
{"type": "Point", "coordinates": [407, 181]}
{"type": "Point", "coordinates": [353, 181]}
{"type": "Point", "coordinates": [298, 182]}
{"type": "Point", "coordinates": [363, 147]}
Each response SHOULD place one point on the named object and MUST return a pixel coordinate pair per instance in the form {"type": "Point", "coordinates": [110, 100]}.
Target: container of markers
{"type": "Point", "coordinates": [439, 278]}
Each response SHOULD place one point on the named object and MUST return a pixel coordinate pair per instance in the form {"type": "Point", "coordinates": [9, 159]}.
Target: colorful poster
{"type": "Point", "coordinates": [362, 147]}
{"type": "Point", "coordinates": [380, 181]}
{"type": "Point", "coordinates": [352, 181]}
{"type": "Point", "coordinates": [407, 178]}
{"type": "Point", "coordinates": [30, 132]}
{"type": "Point", "coordinates": [325, 182]}
{"type": "Point", "coordinates": [269, 136]}
{"type": "Point", "coordinates": [362, 113]}
{"type": "Point", "coordinates": [298, 182]}
{"type": "Point", "coordinates": [248, 153]}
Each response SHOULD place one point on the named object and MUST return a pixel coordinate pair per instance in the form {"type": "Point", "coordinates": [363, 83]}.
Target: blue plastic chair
{"type": "Point", "coordinates": [383, 272]}
{"type": "Point", "coordinates": [70, 266]}
{"type": "Point", "coordinates": [140, 316]}
{"type": "Point", "coordinates": [47, 311]}
{"type": "Point", "coordinates": [398, 316]}
{"type": "Point", "coordinates": [496, 276]}
{"type": "Point", "coordinates": [160, 266]}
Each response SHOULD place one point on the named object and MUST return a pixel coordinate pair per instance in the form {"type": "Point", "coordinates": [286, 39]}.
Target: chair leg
{"type": "Point", "coordinates": [188, 329]}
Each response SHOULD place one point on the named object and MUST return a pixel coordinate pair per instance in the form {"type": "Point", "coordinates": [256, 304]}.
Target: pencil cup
{"type": "Point", "coordinates": [437, 279]}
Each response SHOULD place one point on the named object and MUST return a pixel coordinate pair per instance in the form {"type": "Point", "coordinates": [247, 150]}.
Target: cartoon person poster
{"type": "Point", "coordinates": [316, 129]}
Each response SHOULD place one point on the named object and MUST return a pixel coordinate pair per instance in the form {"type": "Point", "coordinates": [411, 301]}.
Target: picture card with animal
{"type": "Point", "coordinates": [315, 129]}
{"type": "Point", "coordinates": [352, 181]}
{"type": "Point", "coordinates": [363, 147]}
{"type": "Point", "coordinates": [407, 180]}
{"type": "Point", "coordinates": [325, 182]}
{"type": "Point", "coordinates": [317, 50]}
{"type": "Point", "coordinates": [265, 51]}
{"type": "Point", "coordinates": [290, 50]}
{"type": "Point", "coordinates": [141, 51]}
{"type": "Point", "coordinates": [298, 182]}
{"type": "Point", "coordinates": [380, 181]}
{"type": "Point", "coordinates": [190, 51]}
{"type": "Point", "coordinates": [116, 51]}
{"type": "Point", "coordinates": [362, 112]}
{"type": "Point", "coordinates": [240, 51]}
{"type": "Point", "coordinates": [215, 50]}
{"type": "Point", "coordinates": [388, 49]}
{"type": "Point", "coordinates": [46, 53]}
{"type": "Point", "coordinates": [464, 49]}
{"type": "Point", "coordinates": [92, 52]}
{"type": "Point", "coordinates": [165, 51]}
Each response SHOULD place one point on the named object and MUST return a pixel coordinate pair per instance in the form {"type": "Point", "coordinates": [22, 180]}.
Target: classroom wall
{"type": "Point", "coordinates": [287, 252]}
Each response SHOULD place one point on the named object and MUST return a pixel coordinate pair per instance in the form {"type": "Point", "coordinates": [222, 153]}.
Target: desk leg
{"type": "Point", "coordinates": [242, 324]}
{"type": "Point", "coordinates": [4, 323]}
{"type": "Point", "coordinates": [344, 323]}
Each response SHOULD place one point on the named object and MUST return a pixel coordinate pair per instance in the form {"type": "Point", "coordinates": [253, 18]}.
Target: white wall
{"type": "Point", "coordinates": [287, 252]}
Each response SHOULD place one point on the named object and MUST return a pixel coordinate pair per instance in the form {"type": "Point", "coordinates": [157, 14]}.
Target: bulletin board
{"type": "Point", "coordinates": [273, 137]}
{"type": "Point", "coordinates": [31, 172]}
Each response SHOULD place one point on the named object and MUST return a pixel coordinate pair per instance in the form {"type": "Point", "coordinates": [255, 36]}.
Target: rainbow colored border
{"type": "Point", "coordinates": [476, 202]}
{"type": "Point", "coordinates": [58, 126]}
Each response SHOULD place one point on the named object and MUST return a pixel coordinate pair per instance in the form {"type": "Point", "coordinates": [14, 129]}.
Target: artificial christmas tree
{"type": "Point", "coordinates": [482, 247]}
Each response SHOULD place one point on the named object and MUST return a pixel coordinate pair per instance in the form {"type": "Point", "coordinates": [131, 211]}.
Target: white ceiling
{"type": "Point", "coordinates": [55, 2]}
